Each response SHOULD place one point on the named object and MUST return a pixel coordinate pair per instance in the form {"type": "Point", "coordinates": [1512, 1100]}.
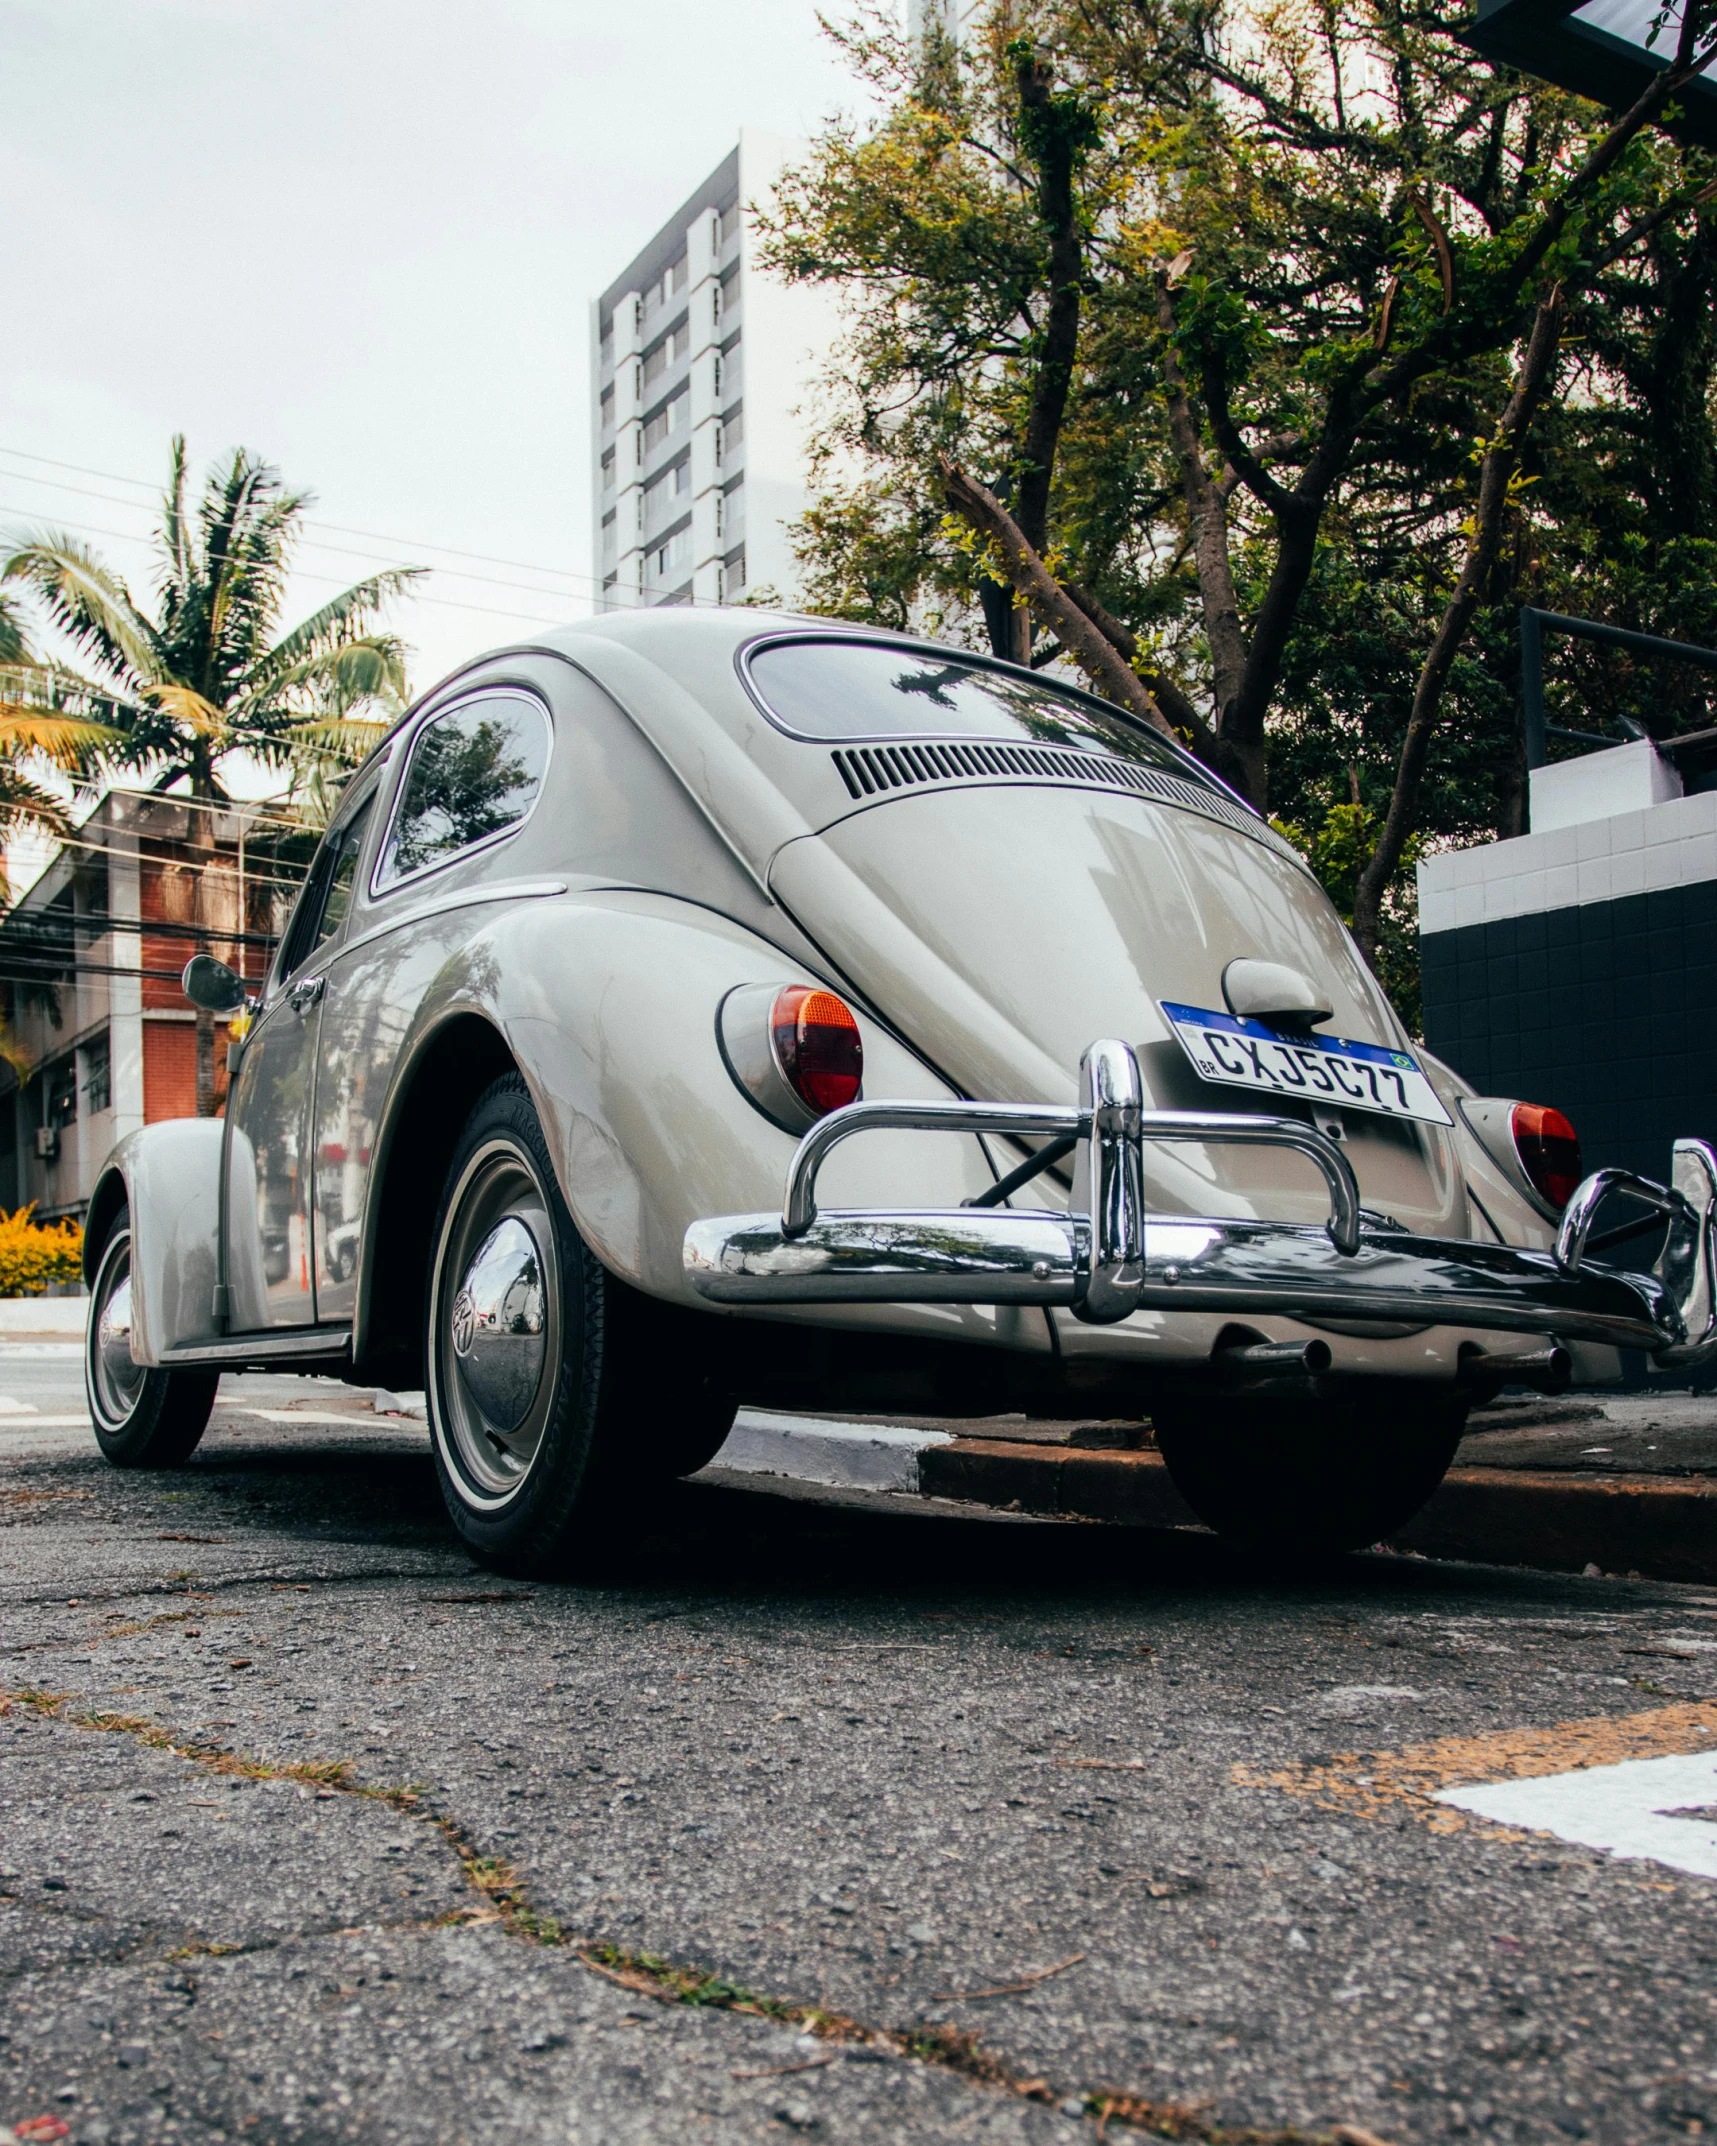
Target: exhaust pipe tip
{"type": "Point", "coordinates": [1247, 1362]}
{"type": "Point", "coordinates": [1486, 1372]}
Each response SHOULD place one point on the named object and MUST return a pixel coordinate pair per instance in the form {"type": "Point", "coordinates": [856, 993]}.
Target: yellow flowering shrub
{"type": "Point", "coordinates": [33, 1254]}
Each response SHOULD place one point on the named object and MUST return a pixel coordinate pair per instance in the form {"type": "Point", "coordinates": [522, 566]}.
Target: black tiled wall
{"type": "Point", "coordinates": [1607, 1011]}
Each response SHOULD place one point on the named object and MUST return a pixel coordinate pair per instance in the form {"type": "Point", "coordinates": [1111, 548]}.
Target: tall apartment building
{"type": "Point", "coordinates": [702, 372]}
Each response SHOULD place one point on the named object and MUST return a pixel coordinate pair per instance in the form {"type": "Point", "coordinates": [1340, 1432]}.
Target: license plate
{"type": "Point", "coordinates": [1329, 1070]}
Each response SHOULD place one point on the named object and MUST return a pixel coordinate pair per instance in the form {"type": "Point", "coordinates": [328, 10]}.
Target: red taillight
{"type": "Point", "coordinates": [1549, 1151]}
{"type": "Point", "coordinates": [817, 1044]}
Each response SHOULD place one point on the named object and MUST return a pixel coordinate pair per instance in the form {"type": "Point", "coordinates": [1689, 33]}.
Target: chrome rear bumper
{"type": "Point", "coordinates": [1107, 1258]}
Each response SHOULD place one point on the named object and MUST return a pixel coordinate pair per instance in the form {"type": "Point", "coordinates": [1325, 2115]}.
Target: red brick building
{"type": "Point", "coordinates": [90, 960]}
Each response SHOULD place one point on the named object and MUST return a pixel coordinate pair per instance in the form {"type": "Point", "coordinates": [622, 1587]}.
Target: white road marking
{"type": "Point", "coordinates": [1628, 1810]}
{"type": "Point", "coordinates": [9, 1407]}
{"type": "Point", "coordinates": [352, 1418]}
{"type": "Point", "coordinates": [48, 1423]}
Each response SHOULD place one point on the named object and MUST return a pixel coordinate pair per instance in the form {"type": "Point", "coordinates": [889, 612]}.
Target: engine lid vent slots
{"type": "Point", "coordinates": [875, 770]}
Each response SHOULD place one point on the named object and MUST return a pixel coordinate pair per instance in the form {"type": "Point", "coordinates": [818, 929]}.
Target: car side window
{"type": "Point", "coordinates": [474, 773]}
{"type": "Point", "coordinates": [327, 893]}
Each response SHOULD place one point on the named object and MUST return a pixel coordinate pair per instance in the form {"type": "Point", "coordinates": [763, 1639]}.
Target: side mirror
{"type": "Point", "coordinates": [210, 984]}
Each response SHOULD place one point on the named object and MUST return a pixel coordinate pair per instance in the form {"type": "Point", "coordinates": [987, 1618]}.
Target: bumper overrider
{"type": "Point", "coordinates": [1107, 1257]}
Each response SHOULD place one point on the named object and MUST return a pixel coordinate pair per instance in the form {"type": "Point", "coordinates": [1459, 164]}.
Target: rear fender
{"type": "Point", "coordinates": [168, 1177]}
{"type": "Point", "coordinates": [607, 1004]}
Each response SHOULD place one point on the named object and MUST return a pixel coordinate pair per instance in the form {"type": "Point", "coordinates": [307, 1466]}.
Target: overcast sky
{"type": "Point", "coordinates": [359, 239]}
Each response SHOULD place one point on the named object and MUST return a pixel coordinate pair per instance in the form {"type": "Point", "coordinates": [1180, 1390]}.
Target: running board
{"type": "Point", "coordinates": [316, 1344]}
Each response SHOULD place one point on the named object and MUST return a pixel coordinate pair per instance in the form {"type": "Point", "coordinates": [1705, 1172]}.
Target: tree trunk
{"type": "Point", "coordinates": [1537, 369]}
{"type": "Point", "coordinates": [1050, 126]}
{"type": "Point", "coordinates": [1207, 518]}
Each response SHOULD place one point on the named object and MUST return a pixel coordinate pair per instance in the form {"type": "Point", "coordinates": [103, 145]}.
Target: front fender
{"type": "Point", "coordinates": [607, 1003]}
{"type": "Point", "coordinates": [169, 1176]}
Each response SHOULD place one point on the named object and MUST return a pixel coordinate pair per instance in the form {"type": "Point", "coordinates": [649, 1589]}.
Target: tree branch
{"type": "Point", "coordinates": [1096, 656]}
{"type": "Point", "coordinates": [1502, 457]}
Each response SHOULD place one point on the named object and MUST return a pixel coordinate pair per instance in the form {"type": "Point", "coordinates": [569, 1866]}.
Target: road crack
{"type": "Point", "coordinates": [502, 1899]}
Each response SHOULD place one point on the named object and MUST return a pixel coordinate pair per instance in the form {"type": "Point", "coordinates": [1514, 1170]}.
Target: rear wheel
{"type": "Point", "coordinates": [550, 1399]}
{"type": "Point", "coordinates": [1311, 1476]}
{"type": "Point", "coordinates": [144, 1417]}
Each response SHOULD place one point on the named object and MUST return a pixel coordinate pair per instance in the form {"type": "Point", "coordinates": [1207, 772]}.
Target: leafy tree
{"type": "Point", "coordinates": [1349, 313]}
{"type": "Point", "coordinates": [210, 674]}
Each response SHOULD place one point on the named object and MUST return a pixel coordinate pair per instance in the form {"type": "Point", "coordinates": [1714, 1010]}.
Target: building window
{"type": "Point", "coordinates": [733, 431]}
{"type": "Point", "coordinates": [729, 222]}
{"type": "Point", "coordinates": [733, 576]}
{"type": "Point", "coordinates": [608, 407]}
{"type": "Point", "coordinates": [608, 470]}
{"type": "Point", "coordinates": [670, 555]}
{"type": "Point", "coordinates": [718, 372]}
{"type": "Point", "coordinates": [715, 307]}
{"type": "Point", "coordinates": [97, 1074]}
{"type": "Point", "coordinates": [63, 1091]}
{"type": "Point", "coordinates": [720, 512]}
{"type": "Point", "coordinates": [637, 316]}
{"type": "Point", "coordinates": [670, 418]}
{"type": "Point", "coordinates": [605, 350]}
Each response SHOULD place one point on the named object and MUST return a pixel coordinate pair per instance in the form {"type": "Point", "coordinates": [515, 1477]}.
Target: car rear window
{"type": "Point", "coordinates": [849, 690]}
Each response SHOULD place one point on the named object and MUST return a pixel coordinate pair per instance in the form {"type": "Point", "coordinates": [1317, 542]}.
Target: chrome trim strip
{"type": "Point", "coordinates": [502, 890]}
{"type": "Point", "coordinates": [313, 1341]}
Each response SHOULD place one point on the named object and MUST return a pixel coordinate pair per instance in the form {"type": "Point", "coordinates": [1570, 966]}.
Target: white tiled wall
{"type": "Point", "coordinates": [1669, 845]}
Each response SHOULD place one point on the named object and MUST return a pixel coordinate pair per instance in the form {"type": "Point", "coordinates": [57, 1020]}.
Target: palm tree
{"type": "Point", "coordinates": [178, 694]}
{"type": "Point", "coordinates": [34, 736]}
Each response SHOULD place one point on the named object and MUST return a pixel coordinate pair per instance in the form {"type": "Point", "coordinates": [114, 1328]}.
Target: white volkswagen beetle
{"type": "Point", "coordinates": [702, 1007]}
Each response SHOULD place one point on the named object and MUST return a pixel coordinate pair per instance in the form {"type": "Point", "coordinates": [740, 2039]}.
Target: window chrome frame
{"type": "Point", "coordinates": [378, 889]}
{"type": "Point", "coordinates": [1185, 762]}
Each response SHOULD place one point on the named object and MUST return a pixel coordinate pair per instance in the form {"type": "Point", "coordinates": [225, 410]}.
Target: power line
{"type": "Point", "coordinates": [320, 544]}
{"type": "Point", "coordinates": [19, 929]}
{"type": "Point", "coordinates": [453, 603]}
{"type": "Point", "coordinates": [529, 566]}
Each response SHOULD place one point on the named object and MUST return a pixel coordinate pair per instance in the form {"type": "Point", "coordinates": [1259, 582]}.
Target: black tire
{"type": "Point", "coordinates": [548, 1405]}
{"type": "Point", "coordinates": [1286, 1478]}
{"type": "Point", "coordinates": [144, 1417]}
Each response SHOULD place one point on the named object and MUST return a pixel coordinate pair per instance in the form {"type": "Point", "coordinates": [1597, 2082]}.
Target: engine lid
{"type": "Point", "coordinates": [1003, 926]}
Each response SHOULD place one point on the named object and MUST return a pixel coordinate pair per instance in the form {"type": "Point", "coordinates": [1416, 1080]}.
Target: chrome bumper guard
{"type": "Point", "coordinates": [1106, 1257]}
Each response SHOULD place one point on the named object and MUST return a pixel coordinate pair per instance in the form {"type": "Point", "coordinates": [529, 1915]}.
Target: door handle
{"type": "Point", "coordinates": [305, 992]}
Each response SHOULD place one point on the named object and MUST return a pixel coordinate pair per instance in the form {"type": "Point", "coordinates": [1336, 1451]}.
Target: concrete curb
{"type": "Point", "coordinates": [1664, 1528]}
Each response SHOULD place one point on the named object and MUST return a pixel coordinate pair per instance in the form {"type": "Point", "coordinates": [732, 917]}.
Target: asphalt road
{"type": "Point", "coordinates": [956, 1827]}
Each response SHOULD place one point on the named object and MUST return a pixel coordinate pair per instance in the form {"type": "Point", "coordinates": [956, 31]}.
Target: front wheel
{"type": "Point", "coordinates": [144, 1417]}
{"type": "Point", "coordinates": [1311, 1476]}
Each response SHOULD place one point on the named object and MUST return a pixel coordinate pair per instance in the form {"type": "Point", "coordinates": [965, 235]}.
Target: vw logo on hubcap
{"type": "Point", "coordinates": [464, 1323]}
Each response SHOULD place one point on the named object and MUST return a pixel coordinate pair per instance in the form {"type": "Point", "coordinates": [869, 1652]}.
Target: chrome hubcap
{"type": "Point", "coordinates": [116, 1383]}
{"type": "Point", "coordinates": [497, 1327]}
{"type": "Point", "coordinates": [498, 1320]}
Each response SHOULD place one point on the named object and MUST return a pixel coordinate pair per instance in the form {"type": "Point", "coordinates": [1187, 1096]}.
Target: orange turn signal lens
{"type": "Point", "coordinates": [1549, 1151]}
{"type": "Point", "coordinates": [818, 1047]}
